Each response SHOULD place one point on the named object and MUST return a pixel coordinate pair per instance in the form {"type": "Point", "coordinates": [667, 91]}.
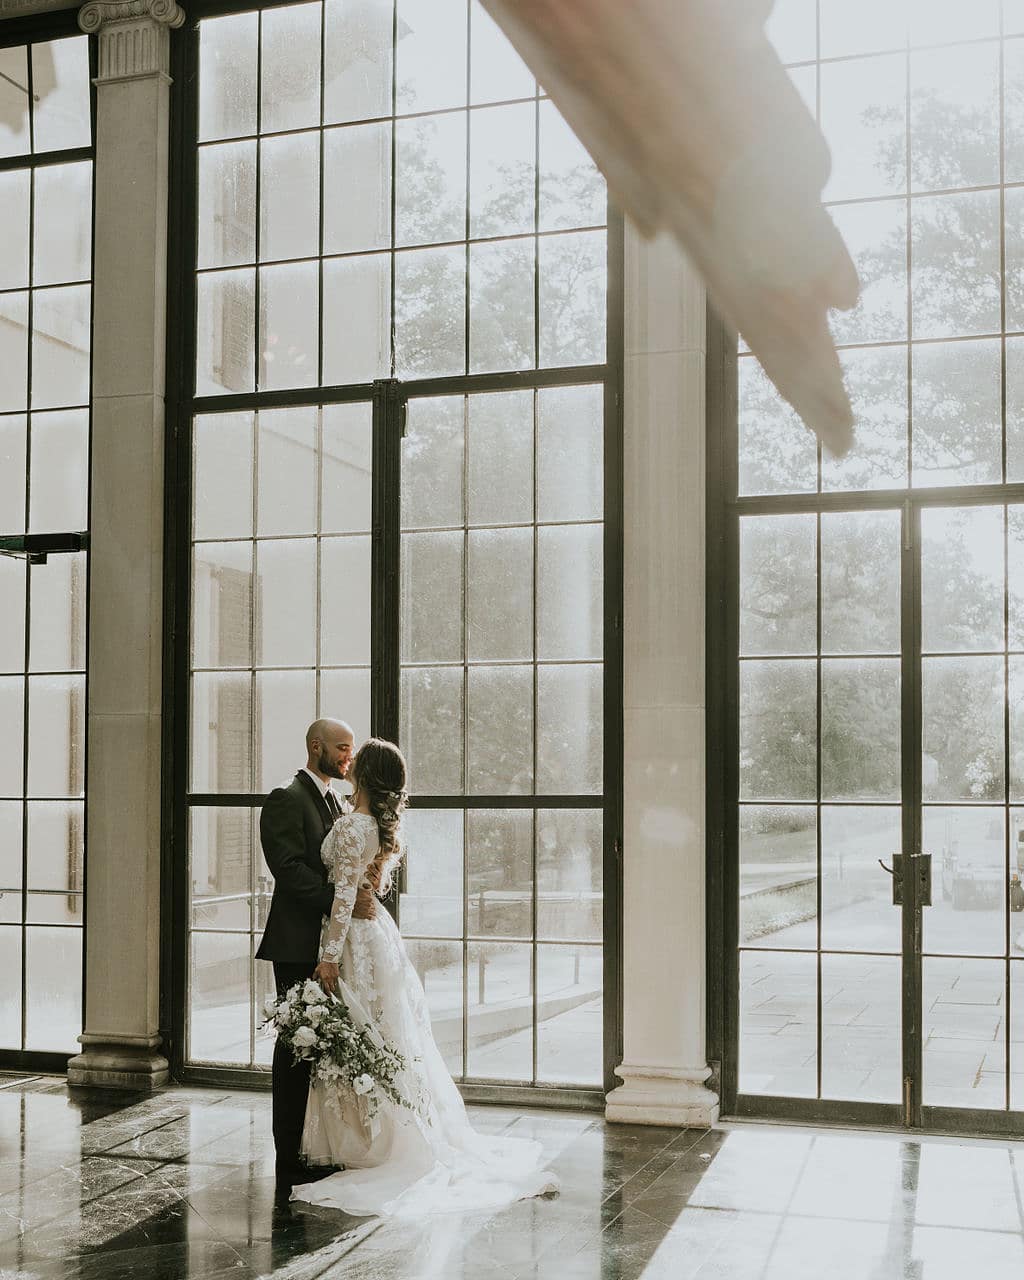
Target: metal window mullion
{"type": "Point", "coordinates": [535, 417]}
{"type": "Point", "coordinates": [465, 720]}
{"type": "Point", "coordinates": [817, 786]}
{"type": "Point", "coordinates": [257, 237]}
{"type": "Point", "coordinates": [466, 226]}
{"type": "Point", "coordinates": [394, 185]}
{"type": "Point", "coordinates": [320, 236]}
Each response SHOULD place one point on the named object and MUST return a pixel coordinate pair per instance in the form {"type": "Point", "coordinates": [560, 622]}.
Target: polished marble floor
{"type": "Point", "coordinates": [180, 1185]}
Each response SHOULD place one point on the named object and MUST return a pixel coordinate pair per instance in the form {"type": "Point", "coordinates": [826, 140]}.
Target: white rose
{"type": "Point", "coordinates": [305, 1038]}
{"type": "Point", "coordinates": [315, 1013]}
{"type": "Point", "coordinates": [312, 992]}
{"type": "Point", "coordinates": [362, 1084]}
{"type": "Point", "coordinates": [270, 1006]}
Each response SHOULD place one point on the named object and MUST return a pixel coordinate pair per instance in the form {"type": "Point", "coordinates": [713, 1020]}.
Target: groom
{"type": "Point", "coordinates": [293, 824]}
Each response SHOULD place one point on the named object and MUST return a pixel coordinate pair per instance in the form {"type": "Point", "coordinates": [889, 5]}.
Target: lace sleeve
{"type": "Point", "coordinates": [345, 844]}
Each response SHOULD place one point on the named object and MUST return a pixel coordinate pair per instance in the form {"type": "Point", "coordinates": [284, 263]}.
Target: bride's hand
{"type": "Point", "coordinates": [327, 975]}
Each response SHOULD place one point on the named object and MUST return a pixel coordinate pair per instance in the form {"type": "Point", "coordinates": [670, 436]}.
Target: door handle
{"type": "Point", "coordinates": [923, 877]}
{"type": "Point", "coordinates": [896, 871]}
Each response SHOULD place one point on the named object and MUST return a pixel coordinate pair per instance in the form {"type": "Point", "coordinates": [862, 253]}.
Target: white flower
{"type": "Point", "coordinates": [314, 1013]}
{"type": "Point", "coordinates": [284, 1015]}
{"type": "Point", "coordinates": [313, 993]}
{"type": "Point", "coordinates": [270, 1006]}
{"type": "Point", "coordinates": [305, 1037]}
{"type": "Point", "coordinates": [362, 1084]}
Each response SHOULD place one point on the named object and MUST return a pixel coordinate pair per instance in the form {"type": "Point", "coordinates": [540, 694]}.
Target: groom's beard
{"type": "Point", "coordinates": [327, 766]}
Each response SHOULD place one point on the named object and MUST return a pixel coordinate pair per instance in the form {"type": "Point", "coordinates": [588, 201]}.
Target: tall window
{"type": "Point", "coordinates": [879, 605]}
{"type": "Point", "coordinates": [45, 311]}
{"type": "Point", "coordinates": [398, 505]}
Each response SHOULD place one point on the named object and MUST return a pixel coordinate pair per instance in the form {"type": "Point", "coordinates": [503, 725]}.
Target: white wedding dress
{"type": "Point", "coordinates": [400, 1163]}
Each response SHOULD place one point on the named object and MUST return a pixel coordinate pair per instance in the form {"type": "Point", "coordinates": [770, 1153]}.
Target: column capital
{"type": "Point", "coordinates": [133, 36]}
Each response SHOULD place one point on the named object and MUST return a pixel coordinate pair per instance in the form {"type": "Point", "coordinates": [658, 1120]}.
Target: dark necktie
{"type": "Point", "coordinates": [332, 803]}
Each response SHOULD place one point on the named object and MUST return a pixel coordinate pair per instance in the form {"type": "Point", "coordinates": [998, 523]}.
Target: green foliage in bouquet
{"type": "Point", "coordinates": [319, 1029]}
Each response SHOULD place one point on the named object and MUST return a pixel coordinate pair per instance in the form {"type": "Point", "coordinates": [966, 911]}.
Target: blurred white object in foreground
{"type": "Point", "coordinates": [688, 112]}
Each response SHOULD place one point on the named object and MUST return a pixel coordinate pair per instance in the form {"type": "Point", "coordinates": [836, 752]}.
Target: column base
{"type": "Point", "coordinates": [658, 1095]}
{"type": "Point", "coordinates": [108, 1065]}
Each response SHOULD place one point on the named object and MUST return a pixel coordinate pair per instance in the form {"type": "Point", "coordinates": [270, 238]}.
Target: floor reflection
{"type": "Point", "coordinates": [180, 1185]}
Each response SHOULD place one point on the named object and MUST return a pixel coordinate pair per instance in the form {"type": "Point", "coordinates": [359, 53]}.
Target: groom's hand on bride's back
{"type": "Point", "coordinates": [365, 906]}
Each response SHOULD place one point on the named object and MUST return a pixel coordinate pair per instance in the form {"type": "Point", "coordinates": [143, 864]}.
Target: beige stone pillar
{"type": "Point", "coordinates": [121, 1039]}
{"type": "Point", "coordinates": [665, 1065]}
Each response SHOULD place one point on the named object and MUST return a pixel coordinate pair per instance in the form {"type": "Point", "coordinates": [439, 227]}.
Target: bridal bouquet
{"type": "Point", "coordinates": [318, 1027]}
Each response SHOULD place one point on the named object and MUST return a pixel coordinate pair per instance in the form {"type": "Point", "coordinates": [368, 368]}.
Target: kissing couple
{"type": "Point", "coordinates": [330, 858]}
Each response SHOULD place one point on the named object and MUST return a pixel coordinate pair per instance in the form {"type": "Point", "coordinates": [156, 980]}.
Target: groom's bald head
{"type": "Point", "coordinates": [329, 747]}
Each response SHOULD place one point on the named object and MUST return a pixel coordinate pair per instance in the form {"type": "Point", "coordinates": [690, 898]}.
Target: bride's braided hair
{"type": "Point", "coordinates": [379, 773]}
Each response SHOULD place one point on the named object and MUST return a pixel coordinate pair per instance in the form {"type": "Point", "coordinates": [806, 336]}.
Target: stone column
{"type": "Point", "coordinates": [122, 975]}
{"type": "Point", "coordinates": [664, 1066]}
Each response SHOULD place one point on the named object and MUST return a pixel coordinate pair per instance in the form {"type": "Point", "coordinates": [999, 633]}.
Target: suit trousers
{"type": "Point", "coordinates": [289, 1080]}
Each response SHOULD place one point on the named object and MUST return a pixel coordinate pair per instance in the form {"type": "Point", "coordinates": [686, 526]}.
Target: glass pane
{"type": "Point", "coordinates": [499, 871]}
{"type": "Point", "coordinates": [876, 236]}
{"type": "Point", "coordinates": [432, 729]}
{"type": "Point", "coordinates": [53, 981]}
{"type": "Point", "coordinates": [1016, 1036]}
{"type": "Point", "coordinates": [62, 110]}
{"type": "Point", "coordinates": [1014, 348]}
{"type": "Point", "coordinates": [221, 849]}
{"type": "Point", "coordinates": [433, 463]}
{"type": "Point", "coordinates": [497, 73]}
{"type": "Point", "coordinates": [430, 319]}
{"type": "Point", "coordinates": [778, 739]}
{"type": "Point", "coordinates": [289, 308]}
{"type": "Point", "coordinates": [62, 238]}
{"type": "Point", "coordinates": [285, 707]}
{"type": "Point", "coordinates": [570, 1031]}
{"type": "Point", "coordinates": [1016, 708]}
{"type": "Point", "coordinates": [14, 350]}
{"type": "Point", "coordinates": [222, 486]}
{"type": "Point", "coordinates": [964, 1033]}
{"type": "Point", "coordinates": [570, 453]}
{"type": "Point", "coordinates": [499, 605]}
{"type": "Point", "coordinates": [570, 592]}
{"type": "Point", "coordinates": [861, 1040]}
{"type": "Point", "coordinates": [345, 601]}
{"type": "Point", "coordinates": [227, 204]}
{"type": "Point", "coordinates": [10, 942]}
{"type": "Point", "coordinates": [432, 901]}
{"type": "Point", "coordinates": [857, 912]}
{"type": "Point", "coordinates": [227, 75]}
{"type": "Point", "coordinates": [431, 54]}
{"type": "Point", "coordinates": [289, 196]}
{"type": "Point", "coordinates": [219, 998]}
{"type": "Point", "coordinates": [285, 603]}
{"type": "Point", "coordinates": [860, 729]}
{"type": "Point", "coordinates": [226, 318]}
{"type": "Point", "coordinates": [357, 188]}
{"type": "Point", "coordinates": [430, 179]}
{"type": "Point", "coordinates": [957, 413]}
{"type": "Point", "coordinates": [955, 248]}
{"type": "Point", "coordinates": [1013, 109]}
{"type": "Point", "coordinates": [864, 119]}
{"type": "Point", "coordinates": [12, 715]}
{"type": "Point", "coordinates": [573, 280]}
{"type": "Point", "coordinates": [778, 875]}
{"type": "Point", "coordinates": [61, 327]}
{"type": "Point", "coordinates": [56, 846]}
{"type": "Point", "coordinates": [1014, 216]}
{"type": "Point", "coordinates": [357, 59]}
{"type": "Point", "coordinates": [287, 477]}
{"type": "Point", "coordinates": [962, 579]}
{"type": "Point", "coordinates": [968, 849]}
{"type": "Point", "coordinates": [570, 875]}
{"type": "Point", "coordinates": [954, 106]}
{"type": "Point", "coordinates": [56, 735]}
{"type": "Point", "coordinates": [778, 584]}
{"type": "Point", "coordinates": [962, 728]}
{"type": "Point", "coordinates": [12, 474]}
{"type": "Point", "coordinates": [572, 191]}
{"type": "Point", "coordinates": [346, 469]}
{"type": "Point", "coordinates": [876, 380]}
{"type": "Point", "coordinates": [432, 597]}
{"type": "Point", "coordinates": [59, 494]}
{"type": "Point", "coordinates": [860, 582]}
{"type": "Point", "coordinates": [500, 458]}
{"type": "Point", "coordinates": [777, 453]}
{"type": "Point", "coordinates": [55, 908]}
{"type": "Point", "coordinates": [345, 695]}
{"type": "Point", "coordinates": [264, 986]}
{"type": "Point", "coordinates": [1015, 575]}
{"type": "Point", "coordinates": [221, 720]}
{"type": "Point", "coordinates": [10, 849]}
{"type": "Point", "coordinates": [439, 966]}
{"type": "Point", "coordinates": [357, 319]}
{"type": "Point", "coordinates": [778, 1024]}
{"type": "Point", "coordinates": [290, 79]}
{"type": "Point", "coordinates": [502, 171]}
{"type": "Point", "coordinates": [500, 992]}
{"type": "Point", "coordinates": [57, 624]}
{"type": "Point", "coordinates": [500, 731]}
{"type": "Point", "coordinates": [501, 293]}
{"type": "Point", "coordinates": [791, 30]}
{"type": "Point", "coordinates": [13, 582]}
{"type": "Point", "coordinates": [570, 730]}
{"type": "Point", "coordinates": [874, 25]}
{"type": "Point", "coordinates": [14, 106]}
{"type": "Point", "coordinates": [943, 21]}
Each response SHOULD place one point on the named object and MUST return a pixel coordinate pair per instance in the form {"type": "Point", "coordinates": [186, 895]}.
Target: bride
{"type": "Point", "coordinates": [400, 1162]}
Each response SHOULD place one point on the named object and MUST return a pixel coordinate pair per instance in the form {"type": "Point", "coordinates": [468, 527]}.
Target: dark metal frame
{"type": "Point", "coordinates": [388, 398]}
{"type": "Point", "coordinates": [35, 548]}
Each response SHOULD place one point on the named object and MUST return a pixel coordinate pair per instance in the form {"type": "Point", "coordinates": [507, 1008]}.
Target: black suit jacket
{"type": "Point", "coordinates": [293, 824]}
